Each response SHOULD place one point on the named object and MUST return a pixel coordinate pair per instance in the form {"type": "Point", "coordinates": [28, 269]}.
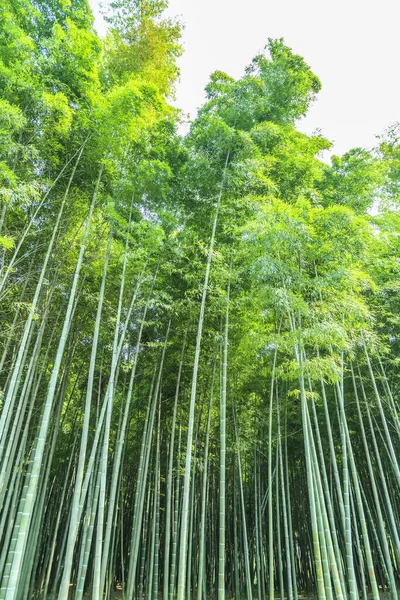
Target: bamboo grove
{"type": "Point", "coordinates": [199, 351]}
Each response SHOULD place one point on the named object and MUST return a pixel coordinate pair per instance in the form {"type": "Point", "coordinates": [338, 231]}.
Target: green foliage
{"type": "Point", "coordinates": [87, 127]}
{"type": "Point", "coordinates": [353, 180]}
{"type": "Point", "coordinates": [278, 88]}
{"type": "Point", "coordinates": [141, 42]}
{"type": "Point", "coordinates": [389, 152]}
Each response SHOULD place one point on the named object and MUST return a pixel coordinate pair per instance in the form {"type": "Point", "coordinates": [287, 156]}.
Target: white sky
{"type": "Point", "coordinates": [352, 45]}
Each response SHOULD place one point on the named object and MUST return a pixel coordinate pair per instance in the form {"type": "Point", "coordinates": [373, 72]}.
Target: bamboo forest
{"type": "Point", "coordinates": [199, 340]}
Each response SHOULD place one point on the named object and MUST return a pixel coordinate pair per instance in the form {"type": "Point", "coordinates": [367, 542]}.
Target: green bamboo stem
{"type": "Point", "coordinates": [188, 461]}
{"type": "Point", "coordinates": [222, 478]}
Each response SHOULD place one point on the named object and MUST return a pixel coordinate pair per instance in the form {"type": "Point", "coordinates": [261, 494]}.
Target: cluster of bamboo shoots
{"type": "Point", "coordinates": [131, 461]}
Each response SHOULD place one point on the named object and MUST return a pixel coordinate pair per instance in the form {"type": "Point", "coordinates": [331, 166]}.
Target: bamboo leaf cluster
{"type": "Point", "coordinates": [199, 334]}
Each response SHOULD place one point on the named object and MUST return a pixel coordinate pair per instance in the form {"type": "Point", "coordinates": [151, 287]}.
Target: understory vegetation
{"type": "Point", "coordinates": [199, 341]}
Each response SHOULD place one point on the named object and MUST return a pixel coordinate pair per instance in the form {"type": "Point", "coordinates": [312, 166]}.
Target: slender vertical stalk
{"type": "Point", "coordinates": [168, 499]}
{"type": "Point", "coordinates": [202, 534]}
{"type": "Point", "coordinates": [222, 476]}
{"type": "Point", "coordinates": [188, 461]}
{"type": "Point", "coordinates": [10, 589]}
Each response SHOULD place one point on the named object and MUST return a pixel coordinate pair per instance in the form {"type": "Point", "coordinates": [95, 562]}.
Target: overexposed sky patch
{"type": "Point", "coordinates": [352, 45]}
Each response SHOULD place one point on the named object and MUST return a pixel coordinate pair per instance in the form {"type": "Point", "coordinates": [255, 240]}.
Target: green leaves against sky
{"type": "Point", "coordinates": [199, 334]}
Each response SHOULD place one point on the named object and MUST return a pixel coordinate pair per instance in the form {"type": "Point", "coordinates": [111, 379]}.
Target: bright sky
{"type": "Point", "coordinates": [352, 45]}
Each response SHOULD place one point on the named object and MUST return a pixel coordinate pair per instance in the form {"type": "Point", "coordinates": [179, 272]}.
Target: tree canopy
{"type": "Point", "coordinates": [200, 335]}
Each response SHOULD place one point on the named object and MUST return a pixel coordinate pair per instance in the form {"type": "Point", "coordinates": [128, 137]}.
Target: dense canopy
{"type": "Point", "coordinates": [199, 340]}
